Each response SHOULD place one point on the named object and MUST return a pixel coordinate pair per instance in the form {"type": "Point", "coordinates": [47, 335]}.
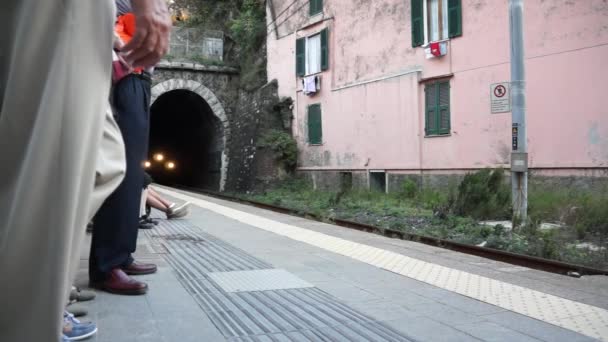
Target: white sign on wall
{"type": "Point", "coordinates": [500, 97]}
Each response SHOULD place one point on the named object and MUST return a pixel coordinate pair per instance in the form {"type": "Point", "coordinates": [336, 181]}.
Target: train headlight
{"type": "Point", "coordinates": [159, 157]}
{"type": "Point", "coordinates": [147, 164]}
{"type": "Point", "coordinates": [170, 165]}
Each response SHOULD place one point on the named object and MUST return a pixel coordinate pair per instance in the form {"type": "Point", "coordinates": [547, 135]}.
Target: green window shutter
{"type": "Point", "coordinates": [315, 134]}
{"type": "Point", "coordinates": [417, 23]}
{"type": "Point", "coordinates": [430, 100]}
{"type": "Point", "coordinates": [443, 108]}
{"type": "Point", "coordinates": [324, 50]}
{"type": "Point", "coordinates": [437, 108]}
{"type": "Point", "coordinates": [316, 6]}
{"type": "Point", "coordinates": [455, 18]}
{"type": "Point", "coordinates": [301, 56]}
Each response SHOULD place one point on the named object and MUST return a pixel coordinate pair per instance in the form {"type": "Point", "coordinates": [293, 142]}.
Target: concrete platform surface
{"type": "Point", "coordinates": [230, 272]}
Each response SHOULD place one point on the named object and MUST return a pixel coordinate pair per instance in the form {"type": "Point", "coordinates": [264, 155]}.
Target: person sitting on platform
{"type": "Point", "coordinates": [156, 201]}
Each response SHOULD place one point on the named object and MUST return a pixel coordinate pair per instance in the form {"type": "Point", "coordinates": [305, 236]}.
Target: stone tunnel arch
{"type": "Point", "coordinates": [172, 85]}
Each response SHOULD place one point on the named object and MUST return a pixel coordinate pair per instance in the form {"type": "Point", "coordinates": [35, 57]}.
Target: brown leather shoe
{"type": "Point", "coordinates": [139, 269]}
{"type": "Point", "coordinates": [118, 282]}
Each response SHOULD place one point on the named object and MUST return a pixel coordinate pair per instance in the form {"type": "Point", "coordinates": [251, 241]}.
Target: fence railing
{"type": "Point", "coordinates": [193, 44]}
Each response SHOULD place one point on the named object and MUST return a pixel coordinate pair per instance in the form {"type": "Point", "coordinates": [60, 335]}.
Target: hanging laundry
{"type": "Point", "coordinates": [443, 48]}
{"type": "Point", "coordinates": [435, 49]}
{"type": "Point", "coordinates": [309, 85]}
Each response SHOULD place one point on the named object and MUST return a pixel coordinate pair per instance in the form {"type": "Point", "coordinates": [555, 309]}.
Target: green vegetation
{"type": "Point", "coordinates": [409, 189]}
{"type": "Point", "coordinates": [243, 22]}
{"type": "Point", "coordinates": [248, 30]}
{"type": "Point", "coordinates": [454, 214]}
{"type": "Point", "coordinates": [283, 145]}
{"type": "Point", "coordinates": [208, 14]}
{"type": "Point", "coordinates": [366, 206]}
{"type": "Point", "coordinates": [484, 195]}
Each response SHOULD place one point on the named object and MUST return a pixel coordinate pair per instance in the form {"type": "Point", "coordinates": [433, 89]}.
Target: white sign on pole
{"type": "Point", "coordinates": [500, 97]}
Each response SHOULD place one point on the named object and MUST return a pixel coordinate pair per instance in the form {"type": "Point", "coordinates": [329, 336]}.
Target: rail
{"type": "Point", "coordinates": [532, 262]}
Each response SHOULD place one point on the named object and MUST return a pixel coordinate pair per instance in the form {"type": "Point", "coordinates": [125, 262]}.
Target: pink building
{"type": "Point", "coordinates": [375, 97]}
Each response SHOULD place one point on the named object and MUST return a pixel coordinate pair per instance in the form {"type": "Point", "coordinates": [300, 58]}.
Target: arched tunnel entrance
{"type": "Point", "coordinates": [186, 132]}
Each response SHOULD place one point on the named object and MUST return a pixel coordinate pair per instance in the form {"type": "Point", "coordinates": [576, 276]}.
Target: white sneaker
{"type": "Point", "coordinates": [178, 211]}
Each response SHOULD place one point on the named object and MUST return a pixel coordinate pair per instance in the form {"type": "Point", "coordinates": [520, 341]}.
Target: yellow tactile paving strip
{"type": "Point", "coordinates": [582, 318]}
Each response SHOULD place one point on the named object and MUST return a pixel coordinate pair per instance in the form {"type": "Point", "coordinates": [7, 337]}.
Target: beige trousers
{"type": "Point", "coordinates": [61, 153]}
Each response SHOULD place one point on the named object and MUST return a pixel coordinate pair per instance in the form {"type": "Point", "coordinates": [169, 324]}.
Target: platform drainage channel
{"type": "Point", "coordinates": [248, 300]}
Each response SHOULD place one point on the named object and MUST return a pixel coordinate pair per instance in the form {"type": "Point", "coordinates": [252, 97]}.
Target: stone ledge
{"type": "Point", "coordinates": [164, 64]}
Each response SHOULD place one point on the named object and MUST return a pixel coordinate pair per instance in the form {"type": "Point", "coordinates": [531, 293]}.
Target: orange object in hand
{"type": "Point", "coordinates": [125, 28]}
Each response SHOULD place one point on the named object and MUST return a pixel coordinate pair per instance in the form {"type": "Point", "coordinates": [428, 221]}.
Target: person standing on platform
{"type": "Point", "coordinates": [116, 224]}
{"type": "Point", "coordinates": [61, 157]}
{"type": "Point", "coordinates": [62, 153]}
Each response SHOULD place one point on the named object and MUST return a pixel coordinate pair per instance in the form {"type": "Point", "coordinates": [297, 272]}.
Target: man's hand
{"type": "Point", "coordinates": [118, 44]}
{"type": "Point", "coordinates": [152, 31]}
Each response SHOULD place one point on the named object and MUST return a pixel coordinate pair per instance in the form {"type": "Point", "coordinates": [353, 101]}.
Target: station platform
{"type": "Point", "coordinates": [231, 272]}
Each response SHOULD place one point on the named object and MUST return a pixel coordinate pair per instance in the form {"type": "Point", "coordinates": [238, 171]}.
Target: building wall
{"type": "Point", "coordinates": [373, 101]}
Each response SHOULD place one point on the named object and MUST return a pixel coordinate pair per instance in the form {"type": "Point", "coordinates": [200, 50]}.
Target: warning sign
{"type": "Point", "coordinates": [500, 97]}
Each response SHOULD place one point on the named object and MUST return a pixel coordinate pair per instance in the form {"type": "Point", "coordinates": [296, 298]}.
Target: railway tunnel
{"type": "Point", "coordinates": [186, 141]}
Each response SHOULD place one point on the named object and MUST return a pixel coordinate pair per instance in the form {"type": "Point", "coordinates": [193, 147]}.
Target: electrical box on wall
{"type": "Point", "coordinates": [519, 162]}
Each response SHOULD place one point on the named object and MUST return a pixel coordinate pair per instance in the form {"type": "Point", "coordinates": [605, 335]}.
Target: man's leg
{"type": "Point", "coordinates": [116, 224]}
{"type": "Point", "coordinates": [111, 166]}
{"type": "Point", "coordinates": [54, 79]}
{"type": "Point", "coordinates": [109, 173]}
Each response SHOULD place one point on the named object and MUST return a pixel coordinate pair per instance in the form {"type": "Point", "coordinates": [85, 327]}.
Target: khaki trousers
{"type": "Point", "coordinates": [61, 153]}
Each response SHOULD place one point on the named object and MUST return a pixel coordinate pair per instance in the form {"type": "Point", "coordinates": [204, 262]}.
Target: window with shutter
{"type": "Point", "coordinates": [435, 20]}
{"type": "Point", "coordinates": [430, 91]}
{"type": "Point", "coordinates": [316, 7]}
{"type": "Point", "coordinates": [301, 56]}
{"type": "Point", "coordinates": [455, 18]}
{"type": "Point", "coordinates": [312, 54]}
{"type": "Point", "coordinates": [315, 132]}
{"type": "Point", "coordinates": [437, 108]}
{"type": "Point", "coordinates": [443, 106]}
{"type": "Point", "coordinates": [417, 22]}
{"type": "Point", "coordinates": [324, 50]}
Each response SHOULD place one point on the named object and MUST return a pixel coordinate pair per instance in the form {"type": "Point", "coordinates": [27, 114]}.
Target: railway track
{"type": "Point", "coordinates": [537, 263]}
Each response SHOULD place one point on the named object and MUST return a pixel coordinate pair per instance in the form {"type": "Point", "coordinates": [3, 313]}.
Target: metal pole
{"type": "Point", "coordinates": [519, 179]}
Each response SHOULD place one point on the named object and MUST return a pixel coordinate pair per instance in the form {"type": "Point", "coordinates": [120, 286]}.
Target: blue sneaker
{"type": "Point", "coordinates": [75, 330]}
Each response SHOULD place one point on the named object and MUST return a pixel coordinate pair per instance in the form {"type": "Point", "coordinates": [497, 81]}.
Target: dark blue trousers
{"type": "Point", "coordinates": [116, 223]}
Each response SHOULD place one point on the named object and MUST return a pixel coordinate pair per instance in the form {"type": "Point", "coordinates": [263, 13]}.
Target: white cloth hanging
{"type": "Point", "coordinates": [309, 85]}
